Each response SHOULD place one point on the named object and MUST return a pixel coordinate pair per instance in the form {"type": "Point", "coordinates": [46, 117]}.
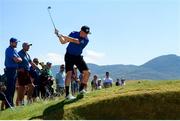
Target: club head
{"type": "Point", "coordinates": [49, 7]}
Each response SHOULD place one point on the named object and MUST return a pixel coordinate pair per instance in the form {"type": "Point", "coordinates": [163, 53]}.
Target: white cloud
{"type": "Point", "coordinates": [54, 58]}
{"type": "Point", "coordinates": [92, 56]}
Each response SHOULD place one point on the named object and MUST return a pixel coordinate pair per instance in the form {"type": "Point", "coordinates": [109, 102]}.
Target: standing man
{"type": "Point", "coordinates": [11, 63]}
{"type": "Point", "coordinates": [24, 78]}
{"type": "Point", "coordinates": [77, 42]}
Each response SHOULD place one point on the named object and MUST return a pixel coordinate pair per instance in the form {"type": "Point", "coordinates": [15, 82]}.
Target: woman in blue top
{"type": "Point", "coordinates": [77, 42]}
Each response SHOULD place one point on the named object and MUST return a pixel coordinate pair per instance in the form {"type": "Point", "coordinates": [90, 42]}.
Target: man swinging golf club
{"type": "Point", "coordinates": [77, 42]}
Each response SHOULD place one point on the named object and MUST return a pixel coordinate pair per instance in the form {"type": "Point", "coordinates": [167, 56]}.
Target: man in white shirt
{"type": "Point", "coordinates": [107, 82]}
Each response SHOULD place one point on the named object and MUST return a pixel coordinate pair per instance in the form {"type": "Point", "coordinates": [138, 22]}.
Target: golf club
{"type": "Point", "coordinates": [49, 7]}
{"type": "Point", "coordinates": [6, 100]}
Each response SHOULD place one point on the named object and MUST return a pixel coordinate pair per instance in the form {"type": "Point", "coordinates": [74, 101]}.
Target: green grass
{"type": "Point", "coordinates": [136, 100]}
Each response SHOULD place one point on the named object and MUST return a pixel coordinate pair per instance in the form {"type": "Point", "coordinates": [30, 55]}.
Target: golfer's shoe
{"type": "Point", "coordinates": [70, 97]}
{"type": "Point", "coordinates": [83, 91]}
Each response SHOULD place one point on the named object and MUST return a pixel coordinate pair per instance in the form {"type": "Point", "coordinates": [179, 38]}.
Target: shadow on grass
{"type": "Point", "coordinates": [156, 106]}
{"type": "Point", "coordinates": [55, 112]}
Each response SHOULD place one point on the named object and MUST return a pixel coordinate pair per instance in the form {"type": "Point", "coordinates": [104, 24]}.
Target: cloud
{"type": "Point", "coordinates": [54, 58]}
{"type": "Point", "coordinates": [92, 56]}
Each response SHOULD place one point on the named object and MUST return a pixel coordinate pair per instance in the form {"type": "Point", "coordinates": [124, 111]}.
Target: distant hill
{"type": "Point", "coordinates": [168, 64]}
{"type": "Point", "coordinates": [166, 67]}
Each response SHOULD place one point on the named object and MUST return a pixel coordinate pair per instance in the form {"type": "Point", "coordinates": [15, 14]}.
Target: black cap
{"type": "Point", "coordinates": [86, 29]}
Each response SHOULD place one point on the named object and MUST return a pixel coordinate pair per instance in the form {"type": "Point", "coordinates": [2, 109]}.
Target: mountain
{"type": "Point", "coordinates": [166, 67]}
{"type": "Point", "coordinates": [169, 64]}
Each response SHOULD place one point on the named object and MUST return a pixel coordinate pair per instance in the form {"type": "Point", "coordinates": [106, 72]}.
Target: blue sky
{"type": "Point", "coordinates": [123, 31]}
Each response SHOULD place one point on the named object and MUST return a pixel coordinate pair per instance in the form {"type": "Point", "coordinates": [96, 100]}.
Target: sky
{"type": "Point", "coordinates": [123, 31]}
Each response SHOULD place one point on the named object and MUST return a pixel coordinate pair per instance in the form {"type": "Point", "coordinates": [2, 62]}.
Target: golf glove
{"type": "Point", "coordinates": [57, 32]}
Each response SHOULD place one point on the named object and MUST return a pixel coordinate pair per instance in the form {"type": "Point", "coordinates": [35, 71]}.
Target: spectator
{"type": "Point", "coordinates": [107, 81]}
{"type": "Point", "coordinates": [118, 82]}
{"type": "Point", "coordinates": [43, 77]}
{"type": "Point", "coordinates": [46, 80]}
{"type": "Point", "coordinates": [25, 84]}
{"type": "Point", "coordinates": [35, 72]}
{"type": "Point", "coordinates": [99, 85]}
{"type": "Point", "coordinates": [123, 81]}
{"type": "Point", "coordinates": [74, 81]}
{"type": "Point", "coordinates": [94, 83]}
{"type": "Point", "coordinates": [42, 65]}
{"type": "Point", "coordinates": [3, 83]}
{"type": "Point", "coordinates": [60, 80]}
{"type": "Point", "coordinates": [2, 95]}
{"type": "Point", "coordinates": [11, 63]}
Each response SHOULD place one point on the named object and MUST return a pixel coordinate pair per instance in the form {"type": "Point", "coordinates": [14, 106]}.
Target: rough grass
{"type": "Point", "coordinates": [137, 100]}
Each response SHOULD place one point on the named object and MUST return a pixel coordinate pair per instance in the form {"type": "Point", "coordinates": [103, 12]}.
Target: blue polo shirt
{"type": "Point", "coordinates": [25, 60]}
{"type": "Point", "coordinates": [76, 49]}
{"type": "Point", "coordinates": [10, 53]}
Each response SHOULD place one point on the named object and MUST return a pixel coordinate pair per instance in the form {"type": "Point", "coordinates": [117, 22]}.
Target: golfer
{"type": "Point", "coordinates": [77, 42]}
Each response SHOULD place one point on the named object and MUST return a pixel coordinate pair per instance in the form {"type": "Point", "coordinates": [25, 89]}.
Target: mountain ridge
{"type": "Point", "coordinates": [165, 67]}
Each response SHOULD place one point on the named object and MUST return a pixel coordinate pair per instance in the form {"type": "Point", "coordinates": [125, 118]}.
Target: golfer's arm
{"type": "Point", "coordinates": [64, 39]}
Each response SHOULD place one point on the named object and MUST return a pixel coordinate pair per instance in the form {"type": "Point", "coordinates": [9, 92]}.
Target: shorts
{"type": "Point", "coordinates": [71, 60]}
{"type": "Point", "coordinates": [23, 78]}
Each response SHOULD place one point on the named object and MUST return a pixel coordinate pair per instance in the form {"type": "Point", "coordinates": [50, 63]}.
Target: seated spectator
{"type": "Point", "coordinates": [94, 83]}
{"type": "Point", "coordinates": [107, 81]}
{"type": "Point", "coordinates": [118, 82]}
{"type": "Point", "coordinates": [123, 81]}
{"type": "Point", "coordinates": [99, 85]}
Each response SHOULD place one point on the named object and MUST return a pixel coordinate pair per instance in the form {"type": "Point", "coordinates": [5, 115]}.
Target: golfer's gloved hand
{"type": "Point", "coordinates": [56, 32]}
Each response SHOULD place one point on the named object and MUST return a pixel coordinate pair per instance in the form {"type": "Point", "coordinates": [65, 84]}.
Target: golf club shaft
{"type": "Point", "coordinates": [51, 19]}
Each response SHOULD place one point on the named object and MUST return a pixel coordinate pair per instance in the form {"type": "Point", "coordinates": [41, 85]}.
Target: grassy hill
{"type": "Point", "coordinates": [136, 100]}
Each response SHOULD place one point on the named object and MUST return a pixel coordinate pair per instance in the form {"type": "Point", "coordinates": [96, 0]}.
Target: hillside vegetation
{"type": "Point", "coordinates": [135, 100]}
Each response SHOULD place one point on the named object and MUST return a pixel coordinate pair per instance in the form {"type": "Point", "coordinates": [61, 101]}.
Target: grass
{"type": "Point", "coordinates": [137, 100]}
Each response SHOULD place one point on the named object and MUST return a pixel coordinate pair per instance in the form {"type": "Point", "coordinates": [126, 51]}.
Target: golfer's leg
{"type": "Point", "coordinates": [86, 75]}
{"type": "Point", "coordinates": [83, 68]}
{"type": "Point", "coordinates": [67, 81]}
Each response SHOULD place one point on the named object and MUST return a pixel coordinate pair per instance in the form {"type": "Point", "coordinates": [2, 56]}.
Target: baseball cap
{"type": "Point", "coordinates": [35, 60]}
{"type": "Point", "coordinates": [85, 29]}
{"type": "Point", "coordinates": [26, 44]}
{"type": "Point", "coordinates": [13, 40]}
{"type": "Point", "coordinates": [49, 63]}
